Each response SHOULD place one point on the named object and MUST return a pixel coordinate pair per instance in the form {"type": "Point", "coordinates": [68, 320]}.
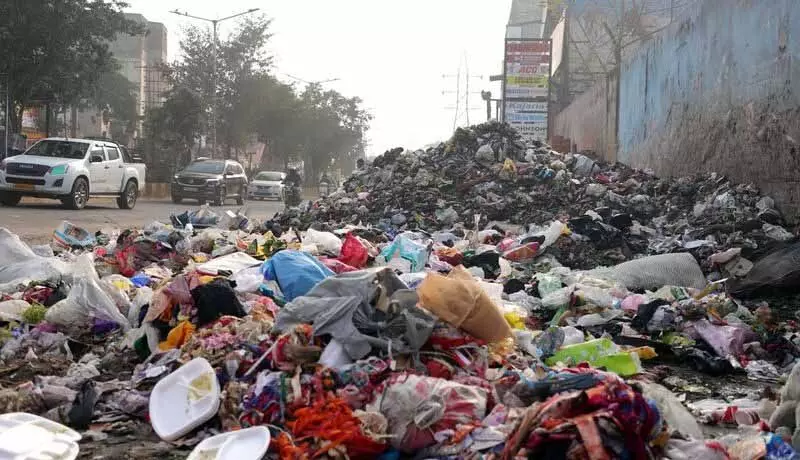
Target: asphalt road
{"type": "Point", "coordinates": [35, 219]}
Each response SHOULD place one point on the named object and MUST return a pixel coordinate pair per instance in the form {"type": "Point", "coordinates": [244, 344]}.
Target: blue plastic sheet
{"type": "Point", "coordinates": [140, 280]}
{"type": "Point", "coordinates": [296, 272]}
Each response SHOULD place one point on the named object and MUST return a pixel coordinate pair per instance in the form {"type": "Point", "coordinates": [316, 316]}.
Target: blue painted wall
{"type": "Point", "coordinates": [719, 90]}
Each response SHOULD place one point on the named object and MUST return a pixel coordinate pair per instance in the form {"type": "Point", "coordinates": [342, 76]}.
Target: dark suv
{"type": "Point", "coordinates": [210, 180]}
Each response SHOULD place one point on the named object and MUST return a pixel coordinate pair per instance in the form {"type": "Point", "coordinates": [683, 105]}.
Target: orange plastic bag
{"type": "Point", "coordinates": [459, 300]}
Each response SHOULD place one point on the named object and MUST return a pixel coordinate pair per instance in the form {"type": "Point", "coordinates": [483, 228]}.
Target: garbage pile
{"type": "Point", "coordinates": [620, 213]}
{"type": "Point", "coordinates": [449, 318]}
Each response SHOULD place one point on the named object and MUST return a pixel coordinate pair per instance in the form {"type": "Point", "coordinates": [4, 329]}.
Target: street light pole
{"type": "Point", "coordinates": [214, 66]}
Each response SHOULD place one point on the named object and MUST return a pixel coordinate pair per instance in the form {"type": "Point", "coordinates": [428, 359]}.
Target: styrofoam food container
{"type": "Point", "coordinates": [248, 444]}
{"type": "Point", "coordinates": [184, 400]}
{"type": "Point", "coordinates": [30, 437]}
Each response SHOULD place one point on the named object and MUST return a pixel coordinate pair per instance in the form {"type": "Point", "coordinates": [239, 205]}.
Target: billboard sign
{"type": "Point", "coordinates": [526, 86]}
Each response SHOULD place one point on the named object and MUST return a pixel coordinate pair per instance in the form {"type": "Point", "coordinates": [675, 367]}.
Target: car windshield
{"type": "Point", "coordinates": [206, 167]}
{"type": "Point", "coordinates": [269, 176]}
{"type": "Point", "coordinates": [59, 149]}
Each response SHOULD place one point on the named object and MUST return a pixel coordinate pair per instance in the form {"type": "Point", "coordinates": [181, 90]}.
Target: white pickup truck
{"type": "Point", "coordinates": [72, 170]}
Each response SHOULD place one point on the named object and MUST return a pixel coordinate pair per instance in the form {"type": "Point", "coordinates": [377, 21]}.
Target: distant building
{"type": "Point", "coordinates": [139, 58]}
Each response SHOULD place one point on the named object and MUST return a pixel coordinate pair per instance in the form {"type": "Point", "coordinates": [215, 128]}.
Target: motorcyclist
{"type": "Point", "coordinates": [293, 178]}
{"type": "Point", "coordinates": [293, 183]}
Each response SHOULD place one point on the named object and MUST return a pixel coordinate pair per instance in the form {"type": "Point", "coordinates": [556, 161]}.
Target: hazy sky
{"type": "Point", "coordinates": [391, 54]}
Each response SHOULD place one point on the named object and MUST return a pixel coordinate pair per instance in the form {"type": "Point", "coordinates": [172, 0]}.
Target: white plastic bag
{"type": "Point", "coordinates": [248, 280]}
{"type": "Point", "coordinates": [21, 265]}
{"type": "Point", "coordinates": [325, 241]}
{"type": "Point", "coordinates": [86, 300]}
{"type": "Point", "coordinates": [142, 297]}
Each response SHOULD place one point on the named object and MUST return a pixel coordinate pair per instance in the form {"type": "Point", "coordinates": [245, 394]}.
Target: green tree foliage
{"type": "Point", "coordinates": [118, 94]}
{"type": "Point", "coordinates": [57, 50]}
{"type": "Point", "coordinates": [312, 125]}
{"type": "Point", "coordinates": [173, 129]}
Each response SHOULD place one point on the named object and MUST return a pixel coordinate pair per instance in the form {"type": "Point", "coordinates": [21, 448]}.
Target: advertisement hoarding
{"type": "Point", "coordinates": [526, 90]}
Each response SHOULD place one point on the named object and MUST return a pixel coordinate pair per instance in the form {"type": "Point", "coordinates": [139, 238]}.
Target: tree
{"type": "Point", "coordinates": [174, 128]}
{"type": "Point", "coordinates": [335, 128]}
{"type": "Point", "coordinates": [315, 125]}
{"type": "Point", "coordinates": [57, 50]}
{"type": "Point", "coordinates": [118, 94]}
{"type": "Point", "coordinates": [241, 57]}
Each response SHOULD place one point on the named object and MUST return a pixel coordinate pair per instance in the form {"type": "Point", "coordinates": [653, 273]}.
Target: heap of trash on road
{"type": "Point", "coordinates": [486, 298]}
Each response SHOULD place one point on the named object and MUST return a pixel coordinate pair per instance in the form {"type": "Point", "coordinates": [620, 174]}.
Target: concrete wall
{"type": "Point", "coordinates": [719, 91]}
{"type": "Point", "coordinates": [589, 121]}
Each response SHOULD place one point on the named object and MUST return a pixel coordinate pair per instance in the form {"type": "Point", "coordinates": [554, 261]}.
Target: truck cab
{"type": "Point", "coordinates": [72, 171]}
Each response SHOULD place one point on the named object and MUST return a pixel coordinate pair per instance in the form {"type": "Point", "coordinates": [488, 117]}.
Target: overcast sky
{"type": "Point", "coordinates": [391, 54]}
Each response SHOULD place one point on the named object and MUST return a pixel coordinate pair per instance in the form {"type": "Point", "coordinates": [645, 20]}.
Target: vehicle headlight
{"type": "Point", "coordinates": [212, 182]}
{"type": "Point", "coordinates": [59, 170]}
{"type": "Point", "coordinates": [175, 178]}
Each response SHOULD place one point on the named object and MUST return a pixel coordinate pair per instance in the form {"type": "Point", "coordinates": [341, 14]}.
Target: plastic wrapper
{"type": "Point", "coordinates": [599, 353]}
{"type": "Point", "coordinates": [353, 253]}
{"type": "Point", "coordinates": [68, 236]}
{"type": "Point", "coordinates": [86, 301]}
{"type": "Point", "coordinates": [325, 241]}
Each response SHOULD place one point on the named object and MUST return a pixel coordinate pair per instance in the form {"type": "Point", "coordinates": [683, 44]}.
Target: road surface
{"type": "Point", "coordinates": [35, 219]}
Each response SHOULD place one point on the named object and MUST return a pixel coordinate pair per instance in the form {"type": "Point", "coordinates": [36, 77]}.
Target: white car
{"type": "Point", "coordinates": [72, 170]}
{"type": "Point", "coordinates": [267, 184]}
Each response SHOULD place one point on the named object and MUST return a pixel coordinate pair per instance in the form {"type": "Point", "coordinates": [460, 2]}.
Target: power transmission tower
{"type": "Point", "coordinates": [462, 107]}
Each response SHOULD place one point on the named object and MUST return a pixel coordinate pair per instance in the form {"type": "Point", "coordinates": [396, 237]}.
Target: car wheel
{"type": "Point", "coordinates": [129, 195]}
{"type": "Point", "coordinates": [10, 199]}
{"type": "Point", "coordinates": [176, 199]}
{"type": "Point", "coordinates": [240, 199]}
{"type": "Point", "coordinates": [220, 199]}
{"type": "Point", "coordinates": [79, 196]}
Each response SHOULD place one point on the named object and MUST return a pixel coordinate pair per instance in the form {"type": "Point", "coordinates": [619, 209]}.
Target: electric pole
{"type": "Point", "coordinates": [215, 39]}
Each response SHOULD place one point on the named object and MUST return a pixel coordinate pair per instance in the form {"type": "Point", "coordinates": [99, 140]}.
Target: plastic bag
{"type": "Point", "coordinates": [724, 340]}
{"type": "Point", "coordinates": [653, 272]}
{"type": "Point", "coordinates": [21, 265]}
{"type": "Point", "coordinates": [117, 287]}
{"type": "Point", "coordinates": [144, 295]}
{"type": "Point", "coordinates": [780, 269]}
{"type": "Point", "coordinates": [296, 272]}
{"type": "Point", "coordinates": [248, 280]}
{"type": "Point", "coordinates": [673, 411]}
{"type": "Point", "coordinates": [353, 252]}
{"type": "Point", "coordinates": [551, 233]}
{"type": "Point", "coordinates": [547, 284]}
{"type": "Point", "coordinates": [233, 263]}
{"type": "Point", "coordinates": [413, 254]}
{"type": "Point", "coordinates": [337, 266]}
{"type": "Point", "coordinates": [325, 241]}
{"type": "Point", "coordinates": [86, 301]}
{"type": "Point", "coordinates": [460, 301]}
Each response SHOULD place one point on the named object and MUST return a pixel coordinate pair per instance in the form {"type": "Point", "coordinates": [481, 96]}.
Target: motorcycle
{"type": "Point", "coordinates": [294, 195]}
